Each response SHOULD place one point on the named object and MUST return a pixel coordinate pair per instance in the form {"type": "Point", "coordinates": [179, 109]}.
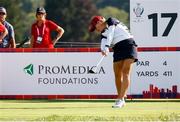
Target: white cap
{"type": "Point", "coordinates": [2, 10]}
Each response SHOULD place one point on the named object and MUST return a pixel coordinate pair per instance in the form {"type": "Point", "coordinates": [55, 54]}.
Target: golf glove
{"type": "Point", "coordinates": [106, 50]}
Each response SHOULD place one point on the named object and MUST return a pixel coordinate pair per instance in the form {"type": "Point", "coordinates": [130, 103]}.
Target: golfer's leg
{"type": "Point", "coordinates": [126, 71]}
{"type": "Point", "coordinates": [118, 76]}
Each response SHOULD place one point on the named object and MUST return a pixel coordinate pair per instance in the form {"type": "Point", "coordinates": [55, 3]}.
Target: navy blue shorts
{"type": "Point", "coordinates": [126, 49]}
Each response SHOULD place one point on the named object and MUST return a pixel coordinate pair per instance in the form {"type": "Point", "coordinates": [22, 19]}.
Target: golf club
{"type": "Point", "coordinates": [93, 70]}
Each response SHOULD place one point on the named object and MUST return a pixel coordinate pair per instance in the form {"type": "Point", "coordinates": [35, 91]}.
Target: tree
{"type": "Point", "coordinates": [14, 15]}
{"type": "Point", "coordinates": [121, 4]}
{"type": "Point", "coordinates": [115, 12]}
{"type": "Point", "coordinates": [30, 6]}
{"type": "Point", "coordinates": [73, 16]}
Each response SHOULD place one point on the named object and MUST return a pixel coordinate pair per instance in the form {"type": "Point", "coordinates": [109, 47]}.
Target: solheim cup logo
{"type": "Point", "coordinates": [138, 10]}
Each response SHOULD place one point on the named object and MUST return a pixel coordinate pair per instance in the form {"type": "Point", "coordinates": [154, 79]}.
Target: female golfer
{"type": "Point", "coordinates": [114, 33]}
{"type": "Point", "coordinates": [41, 31]}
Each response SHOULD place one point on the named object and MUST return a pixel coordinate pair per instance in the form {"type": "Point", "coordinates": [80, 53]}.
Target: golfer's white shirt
{"type": "Point", "coordinates": [114, 34]}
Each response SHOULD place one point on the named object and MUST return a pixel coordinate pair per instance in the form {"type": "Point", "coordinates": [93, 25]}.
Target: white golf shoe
{"type": "Point", "coordinates": [119, 103]}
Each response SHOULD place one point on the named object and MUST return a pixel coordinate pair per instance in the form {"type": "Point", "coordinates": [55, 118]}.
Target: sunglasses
{"type": "Point", "coordinates": [2, 13]}
{"type": "Point", "coordinates": [40, 13]}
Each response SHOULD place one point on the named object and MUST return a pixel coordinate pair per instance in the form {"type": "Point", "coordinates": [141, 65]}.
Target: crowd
{"type": "Point", "coordinates": [40, 31]}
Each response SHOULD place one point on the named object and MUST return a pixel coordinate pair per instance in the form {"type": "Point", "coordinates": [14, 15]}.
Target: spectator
{"type": "Point", "coordinates": [9, 40]}
{"type": "Point", "coordinates": [41, 31]}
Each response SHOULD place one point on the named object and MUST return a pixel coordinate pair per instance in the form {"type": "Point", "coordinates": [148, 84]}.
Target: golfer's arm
{"type": "Point", "coordinates": [103, 43]}
{"type": "Point", "coordinates": [110, 35]}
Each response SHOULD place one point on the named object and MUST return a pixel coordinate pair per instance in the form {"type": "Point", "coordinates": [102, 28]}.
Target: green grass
{"type": "Point", "coordinates": [88, 110]}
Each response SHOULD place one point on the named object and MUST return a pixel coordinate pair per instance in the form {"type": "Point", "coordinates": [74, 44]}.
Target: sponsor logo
{"type": "Point", "coordinates": [29, 69]}
{"type": "Point", "coordinates": [63, 75]}
{"type": "Point", "coordinates": [138, 11]}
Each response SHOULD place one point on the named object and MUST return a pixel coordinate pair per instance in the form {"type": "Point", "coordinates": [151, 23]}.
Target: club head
{"type": "Point", "coordinates": [91, 72]}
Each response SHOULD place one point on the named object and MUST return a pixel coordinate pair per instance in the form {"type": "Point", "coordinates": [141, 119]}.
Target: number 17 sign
{"type": "Point", "coordinates": [155, 23]}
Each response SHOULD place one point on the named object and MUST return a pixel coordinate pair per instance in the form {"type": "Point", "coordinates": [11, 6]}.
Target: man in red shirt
{"type": "Point", "coordinates": [41, 31]}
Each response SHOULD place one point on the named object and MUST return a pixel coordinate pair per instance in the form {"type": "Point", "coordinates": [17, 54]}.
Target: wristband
{"type": "Point", "coordinates": [107, 46]}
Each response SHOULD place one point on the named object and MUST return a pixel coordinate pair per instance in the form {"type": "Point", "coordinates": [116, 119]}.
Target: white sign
{"type": "Point", "coordinates": [155, 23]}
{"type": "Point", "coordinates": [55, 73]}
{"type": "Point", "coordinates": [67, 73]}
{"type": "Point", "coordinates": [160, 69]}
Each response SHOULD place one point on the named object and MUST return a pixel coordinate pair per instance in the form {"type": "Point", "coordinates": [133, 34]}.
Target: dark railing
{"type": "Point", "coordinates": [66, 45]}
{"type": "Point", "coordinates": [76, 44]}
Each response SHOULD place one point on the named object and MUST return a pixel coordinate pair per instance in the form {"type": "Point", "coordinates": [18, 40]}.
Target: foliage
{"type": "Point", "coordinates": [121, 4]}
{"type": "Point", "coordinates": [14, 16]}
{"type": "Point", "coordinates": [73, 16]}
{"type": "Point", "coordinates": [115, 12]}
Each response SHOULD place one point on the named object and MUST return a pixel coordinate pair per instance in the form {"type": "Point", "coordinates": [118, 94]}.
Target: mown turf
{"type": "Point", "coordinates": [88, 110]}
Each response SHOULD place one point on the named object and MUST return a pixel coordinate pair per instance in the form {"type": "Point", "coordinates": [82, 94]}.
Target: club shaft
{"type": "Point", "coordinates": [100, 61]}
